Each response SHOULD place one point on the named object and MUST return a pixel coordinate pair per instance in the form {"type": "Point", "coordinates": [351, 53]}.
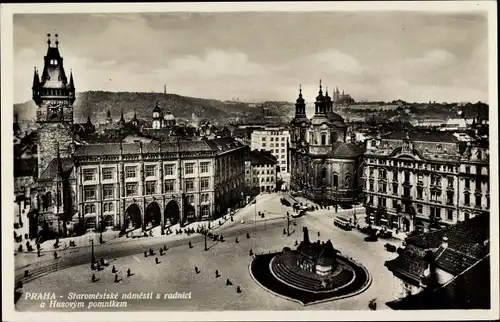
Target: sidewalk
{"type": "Point", "coordinates": [111, 238]}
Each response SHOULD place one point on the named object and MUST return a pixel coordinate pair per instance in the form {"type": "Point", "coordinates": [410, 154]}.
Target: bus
{"type": "Point", "coordinates": [342, 222]}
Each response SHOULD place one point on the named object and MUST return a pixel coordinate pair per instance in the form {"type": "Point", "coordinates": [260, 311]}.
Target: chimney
{"type": "Point", "coordinates": [306, 235]}
{"type": "Point", "coordinates": [444, 244]}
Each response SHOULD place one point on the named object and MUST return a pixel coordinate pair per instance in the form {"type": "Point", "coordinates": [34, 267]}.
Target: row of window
{"type": "Point", "coordinates": [432, 167]}
{"type": "Point", "coordinates": [434, 211]}
{"type": "Point", "coordinates": [435, 195]}
{"type": "Point", "coordinates": [435, 178]}
{"type": "Point", "coordinates": [150, 171]}
{"type": "Point", "coordinates": [272, 138]}
{"type": "Point", "coordinates": [131, 188]}
{"type": "Point", "coordinates": [106, 207]}
{"type": "Point", "coordinates": [267, 179]}
{"type": "Point", "coordinates": [257, 172]}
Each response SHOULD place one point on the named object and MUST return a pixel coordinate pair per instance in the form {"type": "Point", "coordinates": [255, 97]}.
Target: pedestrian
{"type": "Point", "coordinates": [116, 278]}
{"type": "Point", "coordinates": [98, 266]}
{"type": "Point", "coordinates": [237, 241]}
{"type": "Point", "coordinates": [217, 273]}
{"type": "Point", "coordinates": [55, 255]}
{"type": "Point", "coordinates": [248, 236]}
{"type": "Point", "coordinates": [161, 251]}
{"type": "Point", "coordinates": [196, 270]}
{"type": "Point", "coordinates": [92, 266]}
{"type": "Point", "coordinates": [251, 252]}
{"type": "Point", "coordinates": [38, 252]}
{"type": "Point", "coordinates": [296, 243]}
{"type": "Point", "coordinates": [129, 273]}
{"type": "Point", "coordinates": [319, 234]}
{"type": "Point", "coordinates": [156, 260]}
{"type": "Point", "coordinates": [113, 270]}
{"type": "Point", "coordinates": [238, 289]}
{"type": "Point", "coordinates": [228, 282]}
{"type": "Point", "coordinates": [164, 247]}
{"type": "Point", "coordinates": [190, 246]}
{"type": "Point", "coordinates": [151, 252]}
{"type": "Point", "coordinates": [93, 278]}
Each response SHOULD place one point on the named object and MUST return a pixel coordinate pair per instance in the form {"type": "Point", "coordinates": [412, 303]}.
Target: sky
{"type": "Point", "coordinates": [255, 56]}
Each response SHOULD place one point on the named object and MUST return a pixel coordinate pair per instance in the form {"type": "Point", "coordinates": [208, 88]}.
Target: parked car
{"type": "Point", "coordinates": [385, 234]}
{"type": "Point", "coordinates": [371, 238]}
{"type": "Point", "coordinates": [390, 248]}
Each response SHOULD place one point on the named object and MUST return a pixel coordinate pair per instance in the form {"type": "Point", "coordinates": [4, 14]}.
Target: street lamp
{"type": "Point", "coordinates": [206, 233]}
{"type": "Point", "coordinates": [93, 258]}
{"type": "Point", "coordinates": [287, 223]}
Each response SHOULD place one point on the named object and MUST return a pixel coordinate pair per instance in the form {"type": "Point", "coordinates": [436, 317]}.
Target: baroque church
{"type": "Point", "coordinates": [84, 186]}
{"type": "Point", "coordinates": [325, 168]}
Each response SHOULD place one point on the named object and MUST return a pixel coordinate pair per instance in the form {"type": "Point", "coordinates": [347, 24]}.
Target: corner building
{"type": "Point", "coordinates": [425, 180]}
{"type": "Point", "coordinates": [324, 167]}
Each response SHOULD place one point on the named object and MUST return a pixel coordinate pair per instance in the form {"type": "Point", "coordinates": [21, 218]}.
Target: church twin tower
{"type": "Point", "coordinates": [54, 96]}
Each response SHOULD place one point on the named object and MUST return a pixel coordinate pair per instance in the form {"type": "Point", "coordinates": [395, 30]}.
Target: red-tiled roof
{"type": "Point", "coordinates": [469, 290]}
{"type": "Point", "coordinates": [409, 265]}
{"type": "Point", "coordinates": [466, 237]}
{"type": "Point", "coordinates": [466, 243]}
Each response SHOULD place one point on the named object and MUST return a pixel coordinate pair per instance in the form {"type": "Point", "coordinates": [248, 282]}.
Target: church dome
{"type": "Point", "coordinates": [343, 150]}
{"type": "Point", "coordinates": [169, 116]}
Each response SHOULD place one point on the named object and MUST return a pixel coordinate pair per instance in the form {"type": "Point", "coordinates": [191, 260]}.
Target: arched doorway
{"type": "Point", "coordinates": [108, 221]}
{"type": "Point", "coordinates": [133, 217]}
{"type": "Point", "coordinates": [152, 216]}
{"type": "Point", "coordinates": [90, 224]}
{"type": "Point", "coordinates": [205, 212]}
{"type": "Point", "coordinates": [172, 213]}
{"type": "Point", "coordinates": [190, 213]}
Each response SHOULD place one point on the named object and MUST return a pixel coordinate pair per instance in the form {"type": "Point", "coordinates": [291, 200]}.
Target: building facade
{"type": "Point", "coordinates": [274, 139]}
{"type": "Point", "coordinates": [138, 185]}
{"type": "Point", "coordinates": [82, 186]}
{"type": "Point", "coordinates": [423, 180]}
{"type": "Point", "coordinates": [261, 174]}
{"type": "Point", "coordinates": [324, 167]}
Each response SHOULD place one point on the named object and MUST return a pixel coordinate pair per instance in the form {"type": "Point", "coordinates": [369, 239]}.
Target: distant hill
{"type": "Point", "coordinates": [97, 103]}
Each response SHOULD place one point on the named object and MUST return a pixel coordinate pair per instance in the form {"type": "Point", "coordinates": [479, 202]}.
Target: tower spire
{"type": "Point", "coordinates": [122, 119]}
{"type": "Point", "coordinates": [71, 82]}
{"type": "Point", "coordinates": [320, 87]}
